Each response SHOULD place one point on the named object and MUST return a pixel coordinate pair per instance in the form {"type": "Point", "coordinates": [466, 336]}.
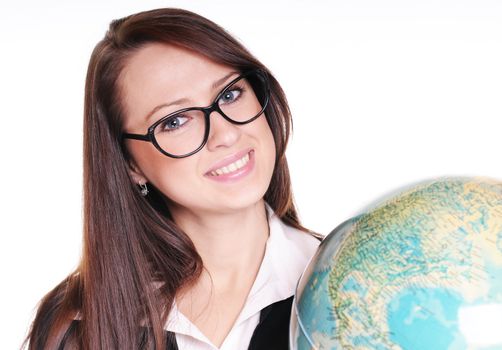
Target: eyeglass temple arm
{"type": "Point", "coordinates": [136, 137]}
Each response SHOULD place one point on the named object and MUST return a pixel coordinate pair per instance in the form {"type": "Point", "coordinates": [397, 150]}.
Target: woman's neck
{"type": "Point", "coordinates": [231, 244]}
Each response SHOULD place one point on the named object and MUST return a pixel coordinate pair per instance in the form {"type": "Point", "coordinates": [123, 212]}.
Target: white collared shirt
{"type": "Point", "coordinates": [287, 252]}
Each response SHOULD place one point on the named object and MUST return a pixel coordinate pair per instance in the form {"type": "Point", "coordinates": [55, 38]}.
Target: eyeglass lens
{"type": "Point", "coordinates": [184, 132]}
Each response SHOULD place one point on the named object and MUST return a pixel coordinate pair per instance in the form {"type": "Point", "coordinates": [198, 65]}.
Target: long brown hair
{"type": "Point", "coordinates": [135, 258]}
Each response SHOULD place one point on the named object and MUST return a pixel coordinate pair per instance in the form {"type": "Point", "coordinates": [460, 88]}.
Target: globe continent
{"type": "Point", "coordinates": [422, 270]}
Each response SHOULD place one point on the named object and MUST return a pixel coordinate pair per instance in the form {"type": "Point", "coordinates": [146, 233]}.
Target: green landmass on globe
{"type": "Point", "coordinates": [421, 270]}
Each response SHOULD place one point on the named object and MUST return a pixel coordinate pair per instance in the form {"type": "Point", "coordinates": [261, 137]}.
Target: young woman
{"type": "Point", "coordinates": [191, 236]}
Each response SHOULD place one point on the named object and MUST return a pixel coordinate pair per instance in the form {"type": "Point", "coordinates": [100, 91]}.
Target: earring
{"type": "Point", "coordinates": [144, 189]}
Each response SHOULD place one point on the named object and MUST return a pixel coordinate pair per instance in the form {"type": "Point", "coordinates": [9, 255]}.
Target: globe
{"type": "Point", "coordinates": [419, 270]}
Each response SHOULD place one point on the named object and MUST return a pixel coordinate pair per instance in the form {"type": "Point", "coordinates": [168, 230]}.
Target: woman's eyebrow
{"type": "Point", "coordinates": [220, 82]}
{"type": "Point", "coordinates": [214, 86]}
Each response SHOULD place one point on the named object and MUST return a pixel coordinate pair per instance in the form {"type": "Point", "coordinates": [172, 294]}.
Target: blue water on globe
{"type": "Point", "coordinates": [409, 312]}
{"type": "Point", "coordinates": [420, 270]}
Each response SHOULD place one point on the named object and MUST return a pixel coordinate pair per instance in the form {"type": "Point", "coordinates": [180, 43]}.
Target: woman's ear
{"type": "Point", "coordinates": [136, 173]}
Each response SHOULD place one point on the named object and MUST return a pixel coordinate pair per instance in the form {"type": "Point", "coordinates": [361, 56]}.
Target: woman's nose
{"type": "Point", "coordinates": [222, 133]}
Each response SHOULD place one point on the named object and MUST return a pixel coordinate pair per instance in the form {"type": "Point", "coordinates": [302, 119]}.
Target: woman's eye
{"type": "Point", "coordinates": [230, 96]}
{"type": "Point", "coordinates": [173, 123]}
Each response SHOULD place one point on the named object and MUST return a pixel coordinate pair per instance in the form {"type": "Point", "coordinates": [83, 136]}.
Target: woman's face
{"type": "Point", "coordinates": [159, 74]}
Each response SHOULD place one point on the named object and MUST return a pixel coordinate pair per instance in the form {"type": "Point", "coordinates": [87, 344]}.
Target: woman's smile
{"type": "Point", "coordinates": [233, 168]}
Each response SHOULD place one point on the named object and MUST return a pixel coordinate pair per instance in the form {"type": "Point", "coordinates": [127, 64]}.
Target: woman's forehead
{"type": "Point", "coordinates": [156, 62]}
{"type": "Point", "coordinates": [158, 73]}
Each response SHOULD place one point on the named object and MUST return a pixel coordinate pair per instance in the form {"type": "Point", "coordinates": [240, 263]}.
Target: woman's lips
{"type": "Point", "coordinates": [227, 161]}
{"type": "Point", "coordinates": [233, 170]}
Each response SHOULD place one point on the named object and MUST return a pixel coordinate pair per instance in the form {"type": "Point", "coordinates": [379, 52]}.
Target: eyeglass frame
{"type": "Point", "coordinates": [214, 106]}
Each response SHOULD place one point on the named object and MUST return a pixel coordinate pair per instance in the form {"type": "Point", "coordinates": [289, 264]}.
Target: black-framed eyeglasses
{"type": "Point", "coordinates": [185, 132]}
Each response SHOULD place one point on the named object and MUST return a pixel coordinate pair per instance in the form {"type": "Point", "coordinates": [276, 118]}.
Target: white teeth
{"type": "Point", "coordinates": [231, 167]}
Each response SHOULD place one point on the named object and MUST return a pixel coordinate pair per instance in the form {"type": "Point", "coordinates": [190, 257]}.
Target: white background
{"type": "Point", "coordinates": [383, 94]}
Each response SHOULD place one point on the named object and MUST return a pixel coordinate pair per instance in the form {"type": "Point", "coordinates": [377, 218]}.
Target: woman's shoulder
{"type": "Point", "coordinates": [301, 238]}
{"type": "Point", "coordinates": [292, 230]}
